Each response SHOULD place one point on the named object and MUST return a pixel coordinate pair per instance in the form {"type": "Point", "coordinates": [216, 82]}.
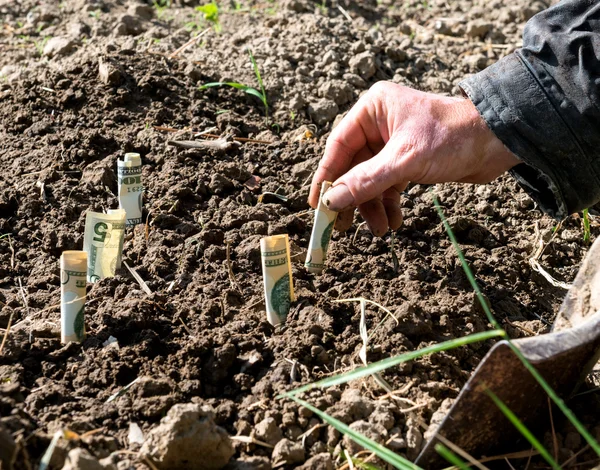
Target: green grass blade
{"type": "Point", "coordinates": [260, 83]}
{"type": "Point", "coordinates": [257, 73]}
{"type": "Point", "coordinates": [556, 399]}
{"type": "Point", "coordinates": [517, 423]}
{"type": "Point", "coordinates": [236, 85]}
{"type": "Point", "coordinates": [465, 265]}
{"type": "Point", "coordinates": [382, 452]}
{"type": "Point", "coordinates": [451, 457]}
{"type": "Point", "coordinates": [394, 361]}
{"type": "Point", "coordinates": [255, 92]}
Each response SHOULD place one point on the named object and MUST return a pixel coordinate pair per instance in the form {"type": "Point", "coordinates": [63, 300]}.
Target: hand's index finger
{"type": "Point", "coordinates": [356, 131]}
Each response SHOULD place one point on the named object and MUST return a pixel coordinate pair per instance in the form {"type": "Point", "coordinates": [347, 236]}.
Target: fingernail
{"type": "Point", "coordinates": [338, 198]}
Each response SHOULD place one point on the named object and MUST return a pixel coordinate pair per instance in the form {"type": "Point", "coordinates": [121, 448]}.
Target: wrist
{"type": "Point", "coordinates": [492, 157]}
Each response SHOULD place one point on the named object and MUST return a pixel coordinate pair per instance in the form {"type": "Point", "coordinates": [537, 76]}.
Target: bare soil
{"type": "Point", "coordinates": [202, 337]}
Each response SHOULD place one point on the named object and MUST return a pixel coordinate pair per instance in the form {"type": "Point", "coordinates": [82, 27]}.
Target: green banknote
{"type": "Point", "coordinates": [103, 243]}
{"type": "Point", "coordinates": [277, 276]}
{"type": "Point", "coordinates": [321, 234]}
{"type": "Point", "coordinates": [129, 175]}
{"type": "Point", "coordinates": [73, 266]}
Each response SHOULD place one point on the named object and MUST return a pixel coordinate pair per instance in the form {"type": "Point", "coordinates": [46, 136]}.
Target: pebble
{"type": "Point", "coordinates": [478, 28]}
{"type": "Point", "coordinates": [322, 461]}
{"type": "Point", "coordinates": [337, 90]}
{"type": "Point", "coordinates": [108, 73]}
{"type": "Point", "coordinates": [58, 46]}
{"type": "Point", "coordinates": [289, 452]}
{"type": "Point", "coordinates": [81, 459]}
{"type": "Point", "coordinates": [323, 111]}
{"type": "Point", "coordinates": [414, 441]}
{"type": "Point", "coordinates": [188, 439]}
{"type": "Point", "coordinates": [363, 65]}
{"type": "Point", "coordinates": [146, 12]}
{"type": "Point", "coordinates": [268, 431]}
{"type": "Point", "coordinates": [373, 431]}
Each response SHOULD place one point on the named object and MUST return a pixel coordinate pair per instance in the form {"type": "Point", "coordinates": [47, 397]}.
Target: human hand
{"type": "Point", "coordinates": [395, 135]}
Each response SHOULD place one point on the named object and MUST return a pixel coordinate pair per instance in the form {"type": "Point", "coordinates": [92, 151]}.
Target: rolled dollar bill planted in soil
{"type": "Point", "coordinates": [321, 234]}
{"type": "Point", "coordinates": [73, 266]}
{"type": "Point", "coordinates": [103, 242]}
{"type": "Point", "coordinates": [277, 276]}
{"type": "Point", "coordinates": [129, 176]}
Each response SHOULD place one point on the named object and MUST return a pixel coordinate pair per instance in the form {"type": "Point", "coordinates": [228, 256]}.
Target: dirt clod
{"type": "Point", "coordinates": [288, 452]}
{"type": "Point", "coordinates": [81, 459]}
{"type": "Point", "coordinates": [188, 438]}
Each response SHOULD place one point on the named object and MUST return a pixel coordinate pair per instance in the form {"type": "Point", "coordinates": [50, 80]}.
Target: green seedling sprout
{"type": "Point", "coordinates": [210, 12]}
{"type": "Point", "coordinates": [262, 95]}
{"type": "Point", "coordinates": [586, 226]}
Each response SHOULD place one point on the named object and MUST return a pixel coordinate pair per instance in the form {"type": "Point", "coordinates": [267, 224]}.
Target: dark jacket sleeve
{"type": "Point", "coordinates": [543, 103]}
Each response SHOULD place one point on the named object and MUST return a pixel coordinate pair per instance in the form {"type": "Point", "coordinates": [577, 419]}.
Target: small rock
{"type": "Point", "coordinates": [288, 452]}
{"type": "Point", "coordinates": [250, 463]}
{"type": "Point", "coordinates": [78, 29]}
{"type": "Point", "coordinates": [109, 74]}
{"type": "Point", "coordinates": [354, 80]}
{"type": "Point", "coordinates": [330, 57]}
{"type": "Point", "coordinates": [321, 461]}
{"type": "Point", "coordinates": [437, 418]}
{"type": "Point", "coordinates": [81, 459]}
{"type": "Point", "coordinates": [128, 25]}
{"type": "Point", "coordinates": [58, 46]}
{"type": "Point", "coordinates": [299, 6]}
{"type": "Point", "coordinates": [337, 90]}
{"type": "Point", "coordinates": [364, 65]}
{"type": "Point", "coordinates": [414, 441]}
{"type": "Point", "coordinates": [135, 435]}
{"type": "Point", "coordinates": [268, 431]}
{"type": "Point", "coordinates": [100, 173]}
{"type": "Point", "coordinates": [188, 438]}
{"type": "Point", "coordinates": [396, 54]}
{"type": "Point", "coordinates": [357, 406]}
{"type": "Point", "coordinates": [297, 102]}
{"type": "Point", "coordinates": [477, 61]}
{"type": "Point", "coordinates": [42, 127]}
{"type": "Point", "coordinates": [323, 111]}
{"type": "Point", "coordinates": [372, 431]}
{"type": "Point", "coordinates": [145, 12]}
{"type": "Point", "coordinates": [478, 28]}
{"type": "Point", "coordinates": [220, 184]}
{"type": "Point", "coordinates": [192, 72]}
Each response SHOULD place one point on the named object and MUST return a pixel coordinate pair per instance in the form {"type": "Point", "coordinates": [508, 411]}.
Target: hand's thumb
{"type": "Point", "coordinates": [364, 182]}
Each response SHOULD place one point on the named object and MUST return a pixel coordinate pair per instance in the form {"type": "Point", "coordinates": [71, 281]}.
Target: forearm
{"type": "Point", "coordinates": [543, 104]}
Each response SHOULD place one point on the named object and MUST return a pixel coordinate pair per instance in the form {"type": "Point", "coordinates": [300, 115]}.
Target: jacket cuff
{"type": "Point", "coordinates": [517, 109]}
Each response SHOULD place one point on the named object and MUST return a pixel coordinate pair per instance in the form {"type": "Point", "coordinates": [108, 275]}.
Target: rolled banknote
{"type": "Point", "coordinates": [277, 276]}
{"type": "Point", "coordinates": [73, 265]}
{"type": "Point", "coordinates": [321, 234]}
{"type": "Point", "coordinates": [129, 176]}
{"type": "Point", "coordinates": [103, 242]}
{"type": "Point", "coordinates": [122, 238]}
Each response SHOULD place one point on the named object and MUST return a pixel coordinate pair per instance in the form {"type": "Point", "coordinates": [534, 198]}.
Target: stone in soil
{"type": "Point", "coordinates": [287, 451]}
{"type": "Point", "coordinates": [81, 459]}
{"type": "Point", "coordinates": [188, 439]}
